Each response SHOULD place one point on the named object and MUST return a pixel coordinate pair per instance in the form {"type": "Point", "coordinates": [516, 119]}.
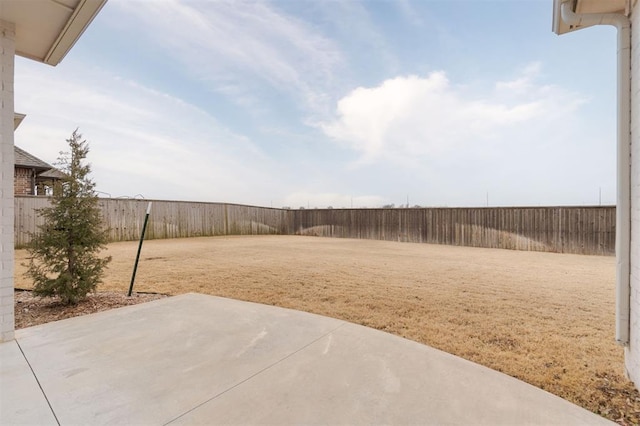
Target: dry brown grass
{"type": "Point", "coordinates": [545, 318]}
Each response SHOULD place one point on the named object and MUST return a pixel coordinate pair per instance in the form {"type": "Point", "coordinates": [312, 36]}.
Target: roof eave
{"type": "Point", "coordinates": [587, 8]}
{"type": "Point", "coordinates": [82, 16]}
{"type": "Point", "coordinates": [559, 26]}
{"type": "Point", "coordinates": [17, 119]}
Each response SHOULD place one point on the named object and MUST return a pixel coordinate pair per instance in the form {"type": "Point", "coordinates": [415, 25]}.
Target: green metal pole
{"type": "Point", "coordinates": [135, 266]}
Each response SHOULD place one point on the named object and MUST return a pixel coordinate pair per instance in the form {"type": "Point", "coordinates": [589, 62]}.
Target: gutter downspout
{"type": "Point", "coordinates": [623, 201]}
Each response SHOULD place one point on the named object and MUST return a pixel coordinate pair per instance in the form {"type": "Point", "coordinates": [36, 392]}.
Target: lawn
{"type": "Point", "coordinates": [545, 318]}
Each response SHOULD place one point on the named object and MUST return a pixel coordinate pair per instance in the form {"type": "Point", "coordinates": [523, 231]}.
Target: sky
{"type": "Point", "coordinates": [331, 103]}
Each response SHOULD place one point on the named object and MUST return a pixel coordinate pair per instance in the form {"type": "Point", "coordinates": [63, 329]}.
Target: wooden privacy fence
{"type": "Point", "coordinates": [168, 219]}
{"type": "Point", "coordinates": [580, 230]}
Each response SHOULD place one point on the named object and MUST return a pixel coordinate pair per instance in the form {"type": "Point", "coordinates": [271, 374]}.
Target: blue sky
{"type": "Point", "coordinates": [333, 103]}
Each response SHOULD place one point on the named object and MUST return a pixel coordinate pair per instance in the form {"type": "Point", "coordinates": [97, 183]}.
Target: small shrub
{"type": "Point", "coordinates": [64, 259]}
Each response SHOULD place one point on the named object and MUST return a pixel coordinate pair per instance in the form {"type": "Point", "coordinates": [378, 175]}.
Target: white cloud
{"type": "Point", "coordinates": [142, 141]}
{"type": "Point", "coordinates": [408, 118]}
{"type": "Point", "coordinates": [446, 144]}
{"type": "Point", "coordinates": [525, 82]}
{"type": "Point", "coordinates": [233, 44]}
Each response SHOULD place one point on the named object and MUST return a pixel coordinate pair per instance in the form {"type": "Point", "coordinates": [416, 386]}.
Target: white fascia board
{"type": "Point", "coordinates": [75, 26]}
{"type": "Point", "coordinates": [17, 119]}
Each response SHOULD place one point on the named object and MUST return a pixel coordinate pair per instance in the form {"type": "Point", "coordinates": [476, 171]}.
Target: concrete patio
{"type": "Point", "coordinates": [196, 359]}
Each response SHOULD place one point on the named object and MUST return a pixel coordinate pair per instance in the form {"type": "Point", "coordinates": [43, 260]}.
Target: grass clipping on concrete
{"type": "Point", "coordinates": [544, 318]}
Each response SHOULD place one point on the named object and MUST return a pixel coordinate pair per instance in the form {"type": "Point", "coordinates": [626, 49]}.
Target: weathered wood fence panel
{"type": "Point", "coordinates": [580, 230]}
{"type": "Point", "coordinates": [168, 219]}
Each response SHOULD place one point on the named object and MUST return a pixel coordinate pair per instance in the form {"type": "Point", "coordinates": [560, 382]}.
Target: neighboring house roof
{"type": "Point", "coordinates": [53, 174]}
{"type": "Point", "coordinates": [24, 159]}
{"type": "Point", "coordinates": [47, 29]}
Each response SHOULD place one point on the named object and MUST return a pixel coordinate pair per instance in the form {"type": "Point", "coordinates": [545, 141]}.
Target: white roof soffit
{"type": "Point", "coordinates": [47, 29]}
{"type": "Point", "coordinates": [17, 119]}
{"type": "Point", "coordinates": [585, 6]}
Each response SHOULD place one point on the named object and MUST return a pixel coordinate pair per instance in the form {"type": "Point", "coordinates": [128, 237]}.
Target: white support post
{"type": "Point", "coordinates": [7, 55]}
{"type": "Point", "coordinates": [632, 352]}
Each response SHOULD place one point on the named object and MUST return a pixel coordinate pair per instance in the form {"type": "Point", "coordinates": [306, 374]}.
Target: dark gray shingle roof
{"type": "Point", "coordinates": [52, 174]}
{"type": "Point", "coordinates": [24, 159]}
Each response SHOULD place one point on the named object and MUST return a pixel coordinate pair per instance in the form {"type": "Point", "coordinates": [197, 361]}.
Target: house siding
{"type": "Point", "coordinates": [23, 181]}
{"type": "Point", "coordinates": [632, 352]}
{"type": "Point", "coordinates": [7, 51]}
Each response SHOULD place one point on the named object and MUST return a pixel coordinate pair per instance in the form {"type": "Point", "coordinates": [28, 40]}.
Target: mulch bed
{"type": "Point", "coordinates": [32, 310]}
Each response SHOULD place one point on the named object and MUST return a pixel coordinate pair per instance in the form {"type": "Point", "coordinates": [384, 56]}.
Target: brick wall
{"type": "Point", "coordinates": [23, 181]}
{"type": "Point", "coordinates": [7, 51]}
{"type": "Point", "coordinates": [632, 355]}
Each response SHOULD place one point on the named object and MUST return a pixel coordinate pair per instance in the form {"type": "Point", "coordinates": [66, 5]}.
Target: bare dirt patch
{"type": "Point", "coordinates": [545, 318]}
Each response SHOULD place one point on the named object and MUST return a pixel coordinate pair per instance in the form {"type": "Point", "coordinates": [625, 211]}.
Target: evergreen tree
{"type": "Point", "coordinates": [64, 260]}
